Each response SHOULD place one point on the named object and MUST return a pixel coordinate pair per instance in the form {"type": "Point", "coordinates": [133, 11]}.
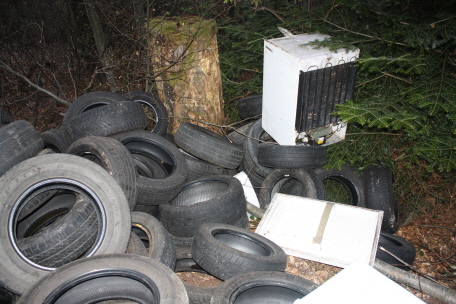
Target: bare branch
{"type": "Point", "coordinates": [58, 99]}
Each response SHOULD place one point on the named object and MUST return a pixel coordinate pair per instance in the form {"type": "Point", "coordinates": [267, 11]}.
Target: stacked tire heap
{"type": "Point", "coordinates": [298, 170]}
{"type": "Point", "coordinates": [79, 209]}
{"type": "Point", "coordinates": [109, 207]}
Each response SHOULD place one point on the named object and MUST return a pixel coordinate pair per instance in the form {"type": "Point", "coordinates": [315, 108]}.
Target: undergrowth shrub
{"type": "Point", "coordinates": [403, 112]}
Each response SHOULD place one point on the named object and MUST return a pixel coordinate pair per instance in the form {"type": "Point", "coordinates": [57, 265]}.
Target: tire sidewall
{"type": "Point", "coordinates": [18, 275]}
{"type": "Point", "coordinates": [170, 287]}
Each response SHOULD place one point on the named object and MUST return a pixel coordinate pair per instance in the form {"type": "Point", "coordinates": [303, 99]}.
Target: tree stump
{"type": "Point", "coordinates": [187, 70]}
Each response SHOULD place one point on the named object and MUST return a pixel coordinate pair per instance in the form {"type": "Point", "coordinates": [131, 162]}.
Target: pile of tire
{"type": "Point", "coordinates": [109, 201]}
{"type": "Point", "coordinates": [109, 207]}
{"type": "Point", "coordinates": [299, 170]}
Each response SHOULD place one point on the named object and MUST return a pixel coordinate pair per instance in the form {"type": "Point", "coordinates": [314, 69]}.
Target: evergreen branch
{"type": "Point", "coordinates": [262, 8]}
{"type": "Point", "coordinates": [441, 85]}
{"type": "Point", "coordinates": [397, 77]}
{"type": "Point", "coordinates": [361, 34]}
{"type": "Point", "coordinates": [370, 80]}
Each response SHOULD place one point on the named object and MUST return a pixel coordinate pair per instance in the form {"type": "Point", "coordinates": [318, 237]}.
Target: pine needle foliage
{"type": "Point", "coordinates": [407, 73]}
{"type": "Point", "coordinates": [406, 82]}
{"type": "Point", "coordinates": [403, 113]}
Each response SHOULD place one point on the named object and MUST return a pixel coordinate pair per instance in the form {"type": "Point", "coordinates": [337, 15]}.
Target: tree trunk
{"type": "Point", "coordinates": [100, 42]}
{"type": "Point", "coordinates": [187, 70]}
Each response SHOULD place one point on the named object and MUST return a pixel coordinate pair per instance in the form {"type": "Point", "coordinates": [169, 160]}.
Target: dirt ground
{"type": "Point", "coordinates": [433, 233]}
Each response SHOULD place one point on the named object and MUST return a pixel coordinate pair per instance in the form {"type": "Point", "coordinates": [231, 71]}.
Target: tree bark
{"type": "Point", "coordinates": [100, 43]}
{"type": "Point", "coordinates": [187, 69]}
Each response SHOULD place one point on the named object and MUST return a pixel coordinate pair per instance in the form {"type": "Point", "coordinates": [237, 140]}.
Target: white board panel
{"type": "Point", "coordinates": [360, 284]}
{"type": "Point", "coordinates": [347, 233]}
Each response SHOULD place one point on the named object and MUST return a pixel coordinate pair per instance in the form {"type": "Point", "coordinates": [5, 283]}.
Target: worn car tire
{"type": "Point", "coordinates": [180, 241]}
{"type": "Point", "coordinates": [218, 199]}
{"type": "Point", "coordinates": [58, 172]}
{"type": "Point", "coordinates": [90, 101]}
{"type": "Point", "coordinates": [151, 103]}
{"type": "Point", "coordinates": [198, 168]}
{"type": "Point", "coordinates": [158, 156]}
{"type": "Point", "coordinates": [18, 141]}
{"type": "Point", "coordinates": [64, 240]}
{"type": "Point", "coordinates": [138, 279]}
{"type": "Point", "coordinates": [247, 166]}
{"type": "Point", "coordinates": [5, 118]}
{"type": "Point", "coordinates": [251, 144]}
{"type": "Point", "coordinates": [185, 263]}
{"type": "Point", "coordinates": [136, 245]}
{"type": "Point", "coordinates": [225, 251]}
{"type": "Point", "coordinates": [46, 209]}
{"type": "Point", "coordinates": [209, 146]}
{"type": "Point", "coordinates": [239, 134]}
{"type": "Point", "coordinates": [250, 106]}
{"type": "Point", "coordinates": [378, 183]}
{"type": "Point", "coordinates": [349, 179]}
{"type": "Point", "coordinates": [262, 287]}
{"type": "Point", "coordinates": [159, 242]}
{"type": "Point", "coordinates": [291, 157]}
{"type": "Point", "coordinates": [398, 246]}
{"type": "Point", "coordinates": [106, 120]}
{"type": "Point", "coordinates": [55, 139]}
{"type": "Point", "coordinates": [114, 157]}
{"type": "Point", "coordinates": [7, 297]}
{"type": "Point", "coordinates": [299, 182]}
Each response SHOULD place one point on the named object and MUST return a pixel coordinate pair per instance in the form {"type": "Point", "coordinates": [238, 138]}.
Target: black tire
{"type": "Point", "coordinates": [48, 210]}
{"type": "Point", "coordinates": [225, 251]}
{"type": "Point", "coordinates": [398, 246]}
{"type": "Point", "coordinates": [199, 294]}
{"type": "Point", "coordinates": [51, 172]}
{"type": "Point", "coordinates": [198, 168]}
{"type": "Point", "coordinates": [185, 263]}
{"type": "Point", "coordinates": [138, 279]}
{"type": "Point", "coordinates": [136, 245]}
{"type": "Point", "coordinates": [256, 180]}
{"type": "Point", "coordinates": [6, 296]}
{"type": "Point", "coordinates": [5, 118]}
{"type": "Point", "coordinates": [149, 209]}
{"type": "Point", "coordinates": [251, 145]}
{"type": "Point", "coordinates": [180, 241]}
{"type": "Point", "coordinates": [347, 178]}
{"type": "Point", "coordinates": [106, 120]}
{"type": "Point", "coordinates": [250, 106]}
{"type": "Point", "coordinates": [378, 182]}
{"type": "Point", "coordinates": [154, 109]}
{"type": "Point", "coordinates": [262, 287]}
{"type": "Point", "coordinates": [34, 202]}
{"type": "Point", "coordinates": [55, 139]}
{"type": "Point", "coordinates": [151, 149]}
{"type": "Point", "coordinates": [160, 245]}
{"type": "Point", "coordinates": [64, 240]}
{"type": "Point", "coordinates": [18, 141]}
{"type": "Point", "coordinates": [291, 157]}
{"type": "Point", "coordinates": [90, 101]}
{"type": "Point", "coordinates": [239, 135]}
{"type": "Point", "coordinates": [299, 182]}
{"type": "Point", "coordinates": [218, 199]}
{"type": "Point", "coordinates": [209, 146]}
{"type": "Point", "coordinates": [114, 157]}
